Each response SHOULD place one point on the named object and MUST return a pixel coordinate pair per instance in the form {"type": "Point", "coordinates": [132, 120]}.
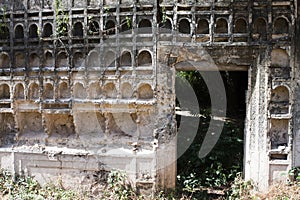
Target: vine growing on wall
{"type": "Point", "coordinates": [161, 13]}
{"type": "Point", "coordinates": [62, 23]}
{"type": "Point", "coordinates": [62, 19]}
{"type": "Point", "coordinates": [164, 14]}
{"type": "Point", "coordinates": [3, 21]}
{"type": "Point", "coordinates": [126, 22]}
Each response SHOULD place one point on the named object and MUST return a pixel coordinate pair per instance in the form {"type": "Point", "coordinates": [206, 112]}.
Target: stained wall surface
{"type": "Point", "coordinates": [86, 86]}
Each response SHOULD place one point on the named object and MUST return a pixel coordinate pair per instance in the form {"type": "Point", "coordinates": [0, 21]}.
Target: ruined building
{"type": "Point", "coordinates": [83, 88]}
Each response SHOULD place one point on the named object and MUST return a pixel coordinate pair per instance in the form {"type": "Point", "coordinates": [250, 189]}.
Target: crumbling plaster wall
{"type": "Point", "coordinates": [81, 105]}
{"type": "Point", "coordinates": [296, 97]}
{"type": "Point", "coordinates": [101, 97]}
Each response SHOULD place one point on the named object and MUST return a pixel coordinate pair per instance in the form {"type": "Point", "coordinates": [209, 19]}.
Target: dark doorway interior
{"type": "Point", "coordinates": [219, 168]}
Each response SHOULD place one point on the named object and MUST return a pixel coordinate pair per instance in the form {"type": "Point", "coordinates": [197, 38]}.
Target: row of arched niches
{"type": "Point", "coordinates": [79, 91]}
{"type": "Point", "coordinates": [99, 25]}
{"type": "Point", "coordinates": [281, 26]}
{"type": "Point", "coordinates": [280, 105]}
{"type": "Point", "coordinates": [46, 4]}
{"type": "Point", "coordinates": [94, 59]}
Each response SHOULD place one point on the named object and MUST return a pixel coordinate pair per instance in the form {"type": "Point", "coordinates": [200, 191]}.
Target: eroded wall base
{"type": "Point", "coordinates": [84, 168]}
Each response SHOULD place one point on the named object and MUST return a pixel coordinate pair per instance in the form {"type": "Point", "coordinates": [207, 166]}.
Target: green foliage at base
{"type": "Point", "coordinates": [240, 189]}
{"type": "Point", "coordinates": [26, 188]}
{"type": "Point", "coordinates": [217, 170]}
{"type": "Point", "coordinates": [118, 186]}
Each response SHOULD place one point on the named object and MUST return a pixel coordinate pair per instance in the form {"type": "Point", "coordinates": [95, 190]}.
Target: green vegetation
{"type": "Point", "coordinates": [211, 176]}
{"type": "Point", "coordinates": [240, 189]}
{"type": "Point", "coordinates": [219, 174]}
{"type": "Point", "coordinates": [3, 22]}
{"type": "Point", "coordinates": [197, 177]}
{"type": "Point", "coordinates": [26, 188]}
{"type": "Point", "coordinates": [118, 187]}
{"type": "Point", "coordinates": [62, 19]}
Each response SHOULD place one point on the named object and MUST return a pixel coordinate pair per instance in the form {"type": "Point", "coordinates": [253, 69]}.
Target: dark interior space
{"type": "Point", "coordinates": [236, 85]}
{"type": "Point", "coordinates": [218, 169]}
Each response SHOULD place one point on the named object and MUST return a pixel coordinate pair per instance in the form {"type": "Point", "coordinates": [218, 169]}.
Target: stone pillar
{"type": "Point", "coordinates": [255, 157]}
{"type": "Point", "coordinates": [296, 91]}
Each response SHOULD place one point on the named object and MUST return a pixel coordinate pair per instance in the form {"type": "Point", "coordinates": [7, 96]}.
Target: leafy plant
{"type": "Point", "coordinates": [62, 19]}
{"type": "Point", "coordinates": [294, 174]}
{"type": "Point", "coordinates": [164, 14]}
{"type": "Point", "coordinates": [128, 22]}
{"type": "Point", "coordinates": [118, 186]}
{"type": "Point", "coordinates": [241, 189]}
{"type": "Point", "coordinates": [26, 188]}
{"type": "Point", "coordinates": [3, 21]}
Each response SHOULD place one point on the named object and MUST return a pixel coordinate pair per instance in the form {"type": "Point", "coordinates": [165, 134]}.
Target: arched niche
{"type": "Point", "coordinates": [126, 59]}
{"type": "Point", "coordinates": [202, 27]}
{"type": "Point", "coordinates": [19, 32]}
{"type": "Point", "coordinates": [281, 26]}
{"type": "Point", "coordinates": [48, 92]}
{"type": "Point", "coordinates": [109, 90]}
{"type": "Point", "coordinates": [240, 26]}
{"type": "Point", "coordinates": [4, 60]}
{"type": "Point", "coordinates": [4, 91]}
{"type": "Point", "coordinates": [280, 94]}
{"type": "Point", "coordinates": [110, 27]}
{"type": "Point", "coordinates": [78, 59]}
{"type": "Point", "coordinates": [63, 91]}
{"type": "Point", "coordinates": [79, 91]}
{"type": "Point", "coordinates": [19, 91]}
{"type": "Point", "coordinates": [145, 26]}
{"type": "Point", "coordinates": [95, 90]}
{"type": "Point", "coordinates": [93, 59]}
{"type": "Point", "coordinates": [4, 33]}
{"type": "Point", "coordinates": [62, 59]}
{"type": "Point", "coordinates": [184, 26]}
{"type": "Point", "coordinates": [144, 58]}
{"type": "Point", "coordinates": [33, 91]}
{"type": "Point", "coordinates": [110, 59]}
{"type": "Point", "coordinates": [94, 28]}
{"type": "Point", "coordinates": [47, 30]}
{"type": "Point", "coordinates": [279, 58]}
{"type": "Point", "coordinates": [48, 59]}
{"type": "Point", "coordinates": [126, 91]}
{"type": "Point", "coordinates": [221, 26]}
{"type": "Point", "coordinates": [166, 26]}
{"type": "Point", "coordinates": [145, 92]}
{"type": "Point", "coordinates": [78, 29]}
{"type": "Point", "coordinates": [126, 25]}
{"type": "Point", "coordinates": [260, 26]}
{"type": "Point", "coordinates": [19, 59]}
{"type": "Point", "coordinates": [33, 31]}
{"type": "Point", "coordinates": [34, 60]}
{"type": "Point", "coordinates": [278, 133]}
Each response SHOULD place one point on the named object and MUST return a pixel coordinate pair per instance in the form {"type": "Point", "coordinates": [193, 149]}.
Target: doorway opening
{"type": "Point", "coordinates": [218, 169]}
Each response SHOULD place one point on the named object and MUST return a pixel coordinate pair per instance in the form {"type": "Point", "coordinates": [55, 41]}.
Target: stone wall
{"type": "Point", "coordinates": [97, 91]}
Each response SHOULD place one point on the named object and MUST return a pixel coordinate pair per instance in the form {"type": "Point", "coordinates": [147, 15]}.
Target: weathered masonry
{"type": "Point", "coordinates": [85, 87]}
